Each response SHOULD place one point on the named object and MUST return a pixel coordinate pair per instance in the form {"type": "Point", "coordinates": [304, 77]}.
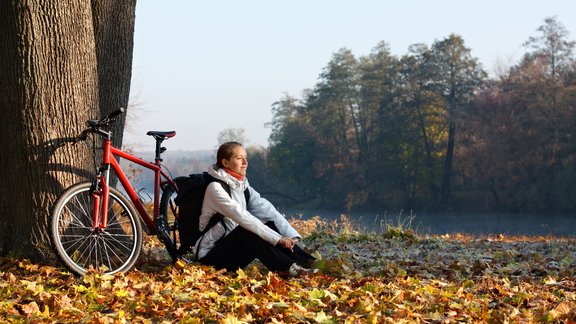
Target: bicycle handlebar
{"type": "Point", "coordinates": [94, 126]}
{"type": "Point", "coordinates": [116, 113]}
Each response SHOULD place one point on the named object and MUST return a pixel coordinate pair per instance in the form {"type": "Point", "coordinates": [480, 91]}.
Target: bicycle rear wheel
{"type": "Point", "coordinates": [81, 245]}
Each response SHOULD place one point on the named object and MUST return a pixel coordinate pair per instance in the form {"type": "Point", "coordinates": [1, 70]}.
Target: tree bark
{"type": "Point", "coordinates": [49, 80]}
{"type": "Point", "coordinates": [113, 23]}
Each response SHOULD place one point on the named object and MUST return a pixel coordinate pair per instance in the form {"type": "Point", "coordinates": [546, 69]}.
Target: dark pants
{"type": "Point", "coordinates": [240, 247]}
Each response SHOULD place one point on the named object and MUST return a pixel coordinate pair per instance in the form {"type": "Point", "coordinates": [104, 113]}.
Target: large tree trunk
{"type": "Point", "coordinates": [446, 198]}
{"type": "Point", "coordinates": [50, 87]}
{"type": "Point", "coordinates": [447, 175]}
{"type": "Point", "coordinates": [113, 23]}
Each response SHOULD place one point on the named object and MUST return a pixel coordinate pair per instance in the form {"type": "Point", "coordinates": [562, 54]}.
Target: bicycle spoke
{"type": "Point", "coordinates": [87, 252]}
{"type": "Point", "coordinates": [121, 244]}
{"type": "Point", "coordinates": [86, 205]}
{"type": "Point", "coordinates": [73, 245]}
{"type": "Point", "coordinates": [109, 249]}
{"type": "Point", "coordinates": [73, 221]}
{"type": "Point", "coordinates": [98, 255]}
{"type": "Point", "coordinates": [83, 206]}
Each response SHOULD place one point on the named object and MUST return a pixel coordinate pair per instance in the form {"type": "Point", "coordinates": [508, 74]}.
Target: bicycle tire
{"type": "Point", "coordinates": [168, 216]}
{"type": "Point", "coordinates": [81, 247]}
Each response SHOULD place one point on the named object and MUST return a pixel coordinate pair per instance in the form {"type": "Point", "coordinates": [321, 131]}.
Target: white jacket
{"type": "Point", "coordinates": [233, 207]}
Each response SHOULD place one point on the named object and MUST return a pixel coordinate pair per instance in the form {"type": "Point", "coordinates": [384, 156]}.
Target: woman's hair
{"type": "Point", "coordinates": [225, 151]}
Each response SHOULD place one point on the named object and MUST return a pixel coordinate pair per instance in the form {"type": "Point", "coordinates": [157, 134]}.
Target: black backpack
{"type": "Point", "coordinates": [189, 200]}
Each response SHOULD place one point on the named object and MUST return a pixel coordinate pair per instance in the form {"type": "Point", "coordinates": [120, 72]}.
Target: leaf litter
{"type": "Point", "coordinates": [391, 277]}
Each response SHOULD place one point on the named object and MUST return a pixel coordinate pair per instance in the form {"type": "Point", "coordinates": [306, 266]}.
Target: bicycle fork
{"type": "Point", "coordinates": [101, 190]}
{"type": "Point", "coordinates": [100, 193]}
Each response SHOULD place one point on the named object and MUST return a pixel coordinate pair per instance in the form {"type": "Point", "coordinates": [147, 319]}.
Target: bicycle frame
{"type": "Point", "coordinates": [109, 160]}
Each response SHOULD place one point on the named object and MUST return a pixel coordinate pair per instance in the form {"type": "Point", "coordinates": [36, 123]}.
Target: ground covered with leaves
{"type": "Point", "coordinates": [395, 276]}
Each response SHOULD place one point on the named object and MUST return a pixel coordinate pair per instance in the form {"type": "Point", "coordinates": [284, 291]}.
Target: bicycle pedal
{"type": "Point", "coordinates": [180, 264]}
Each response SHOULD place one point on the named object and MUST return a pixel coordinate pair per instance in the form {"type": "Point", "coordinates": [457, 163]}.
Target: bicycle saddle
{"type": "Point", "coordinates": [161, 135]}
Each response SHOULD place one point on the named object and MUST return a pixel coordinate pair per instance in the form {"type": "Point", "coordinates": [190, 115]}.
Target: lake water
{"type": "Point", "coordinates": [465, 223]}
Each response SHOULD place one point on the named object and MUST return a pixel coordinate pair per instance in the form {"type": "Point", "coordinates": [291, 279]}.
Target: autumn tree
{"type": "Point", "coordinates": [392, 156]}
{"type": "Point", "coordinates": [232, 135]}
{"type": "Point", "coordinates": [426, 109]}
{"type": "Point", "coordinates": [521, 148]}
{"type": "Point", "coordinates": [61, 63]}
{"type": "Point", "coordinates": [553, 45]}
{"type": "Point", "coordinates": [332, 120]}
{"type": "Point", "coordinates": [293, 157]}
{"type": "Point", "coordinates": [455, 75]}
{"type": "Point", "coordinates": [552, 51]}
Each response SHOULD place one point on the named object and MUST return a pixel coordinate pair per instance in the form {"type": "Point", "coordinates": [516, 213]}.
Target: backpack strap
{"type": "Point", "coordinates": [247, 196]}
{"type": "Point", "coordinates": [219, 217]}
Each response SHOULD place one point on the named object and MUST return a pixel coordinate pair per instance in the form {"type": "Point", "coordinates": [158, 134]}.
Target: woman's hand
{"type": "Point", "coordinates": [287, 242]}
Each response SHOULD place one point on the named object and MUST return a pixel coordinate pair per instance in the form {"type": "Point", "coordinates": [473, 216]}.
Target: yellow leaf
{"type": "Point", "coordinates": [46, 311]}
{"type": "Point", "coordinates": [33, 286]}
{"type": "Point", "coordinates": [121, 293]}
{"type": "Point", "coordinates": [456, 306]}
{"type": "Point", "coordinates": [321, 317]}
{"type": "Point", "coordinates": [241, 274]}
{"type": "Point", "coordinates": [436, 316]}
{"type": "Point", "coordinates": [514, 312]}
{"type": "Point", "coordinates": [553, 314]}
{"type": "Point", "coordinates": [316, 293]}
{"type": "Point", "coordinates": [278, 305]}
{"type": "Point", "coordinates": [231, 319]}
{"type": "Point", "coordinates": [81, 288]}
{"type": "Point", "coordinates": [550, 281]}
{"type": "Point", "coordinates": [300, 307]}
{"type": "Point", "coordinates": [11, 278]}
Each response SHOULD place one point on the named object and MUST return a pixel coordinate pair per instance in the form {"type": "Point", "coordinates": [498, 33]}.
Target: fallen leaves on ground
{"type": "Point", "coordinates": [364, 278]}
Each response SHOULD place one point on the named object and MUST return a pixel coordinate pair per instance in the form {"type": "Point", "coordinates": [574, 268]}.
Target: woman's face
{"type": "Point", "coordinates": [238, 162]}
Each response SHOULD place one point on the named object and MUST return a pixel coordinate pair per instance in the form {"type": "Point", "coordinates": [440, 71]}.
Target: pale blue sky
{"type": "Point", "coordinates": [203, 66]}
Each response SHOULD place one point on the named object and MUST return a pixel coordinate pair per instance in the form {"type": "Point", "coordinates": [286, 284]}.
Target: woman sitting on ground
{"type": "Point", "coordinates": [251, 229]}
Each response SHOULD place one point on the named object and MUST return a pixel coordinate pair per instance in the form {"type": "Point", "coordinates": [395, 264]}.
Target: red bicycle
{"type": "Point", "coordinates": [96, 226]}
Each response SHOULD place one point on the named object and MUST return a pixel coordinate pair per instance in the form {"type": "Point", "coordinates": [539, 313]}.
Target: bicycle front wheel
{"type": "Point", "coordinates": [82, 245]}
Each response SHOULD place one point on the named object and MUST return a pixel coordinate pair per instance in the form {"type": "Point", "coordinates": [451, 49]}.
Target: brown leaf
{"type": "Point", "coordinates": [563, 308]}
{"type": "Point", "coordinates": [30, 309]}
